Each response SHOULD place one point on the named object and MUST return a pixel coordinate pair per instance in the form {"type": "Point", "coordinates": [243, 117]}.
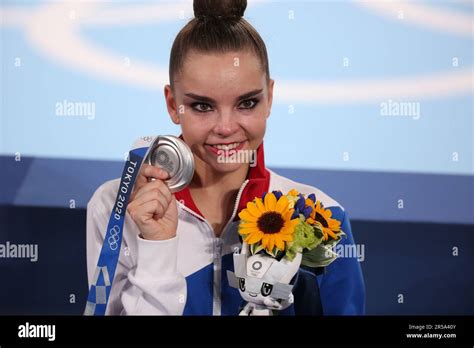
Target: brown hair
{"type": "Point", "coordinates": [217, 26]}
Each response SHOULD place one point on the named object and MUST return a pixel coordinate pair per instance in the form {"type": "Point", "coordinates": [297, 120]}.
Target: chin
{"type": "Point", "coordinates": [225, 168]}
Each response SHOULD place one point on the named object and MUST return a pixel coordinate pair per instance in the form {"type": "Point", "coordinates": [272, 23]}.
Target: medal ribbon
{"type": "Point", "coordinates": [102, 281]}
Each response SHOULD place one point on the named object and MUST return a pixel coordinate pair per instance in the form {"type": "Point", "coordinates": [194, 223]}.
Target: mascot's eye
{"type": "Point", "coordinates": [266, 289]}
{"type": "Point", "coordinates": [242, 284]}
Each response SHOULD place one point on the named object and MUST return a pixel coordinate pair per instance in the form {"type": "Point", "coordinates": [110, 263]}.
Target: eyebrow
{"type": "Point", "coordinates": [210, 100]}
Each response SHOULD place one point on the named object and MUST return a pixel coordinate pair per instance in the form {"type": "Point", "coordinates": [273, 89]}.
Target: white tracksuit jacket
{"type": "Point", "coordinates": [186, 275]}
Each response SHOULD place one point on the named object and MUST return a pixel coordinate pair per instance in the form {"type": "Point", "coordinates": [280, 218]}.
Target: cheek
{"type": "Point", "coordinates": [195, 126]}
{"type": "Point", "coordinates": [255, 126]}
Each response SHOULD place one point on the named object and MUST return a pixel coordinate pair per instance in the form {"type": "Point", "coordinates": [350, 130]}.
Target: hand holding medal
{"type": "Point", "coordinates": [147, 196]}
{"type": "Point", "coordinates": [168, 168]}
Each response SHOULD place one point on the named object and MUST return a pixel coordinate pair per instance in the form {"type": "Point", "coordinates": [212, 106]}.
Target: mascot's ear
{"type": "Point", "coordinates": [245, 249]}
{"type": "Point", "coordinates": [240, 261]}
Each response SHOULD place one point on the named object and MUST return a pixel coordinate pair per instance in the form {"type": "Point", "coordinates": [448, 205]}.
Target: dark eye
{"type": "Point", "coordinates": [248, 104]}
{"type": "Point", "coordinates": [266, 289]}
{"type": "Point", "coordinates": [201, 107]}
{"type": "Point", "coordinates": [242, 284]}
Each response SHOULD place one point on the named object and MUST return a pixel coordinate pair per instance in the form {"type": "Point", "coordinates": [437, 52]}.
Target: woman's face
{"type": "Point", "coordinates": [222, 102]}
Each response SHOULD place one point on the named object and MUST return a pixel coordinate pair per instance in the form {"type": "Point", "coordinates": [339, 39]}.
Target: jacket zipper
{"type": "Point", "coordinates": [217, 279]}
{"type": "Point", "coordinates": [217, 263]}
{"type": "Point", "coordinates": [236, 206]}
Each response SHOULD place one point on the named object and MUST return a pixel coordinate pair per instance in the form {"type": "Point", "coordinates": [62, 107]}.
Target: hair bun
{"type": "Point", "coordinates": [219, 9]}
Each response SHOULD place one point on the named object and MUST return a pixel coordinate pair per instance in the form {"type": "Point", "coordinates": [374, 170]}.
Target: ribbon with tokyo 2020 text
{"type": "Point", "coordinates": [103, 278]}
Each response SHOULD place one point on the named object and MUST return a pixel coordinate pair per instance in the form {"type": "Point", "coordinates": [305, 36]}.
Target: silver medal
{"type": "Point", "coordinates": [173, 155]}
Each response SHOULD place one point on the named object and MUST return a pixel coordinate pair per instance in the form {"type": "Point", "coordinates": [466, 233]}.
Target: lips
{"type": "Point", "coordinates": [219, 148]}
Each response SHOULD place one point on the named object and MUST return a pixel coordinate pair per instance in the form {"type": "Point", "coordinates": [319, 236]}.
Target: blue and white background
{"type": "Point", "coordinates": [406, 178]}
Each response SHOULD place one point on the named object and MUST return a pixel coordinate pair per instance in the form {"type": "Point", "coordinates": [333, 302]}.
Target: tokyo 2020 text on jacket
{"type": "Point", "coordinates": [187, 274]}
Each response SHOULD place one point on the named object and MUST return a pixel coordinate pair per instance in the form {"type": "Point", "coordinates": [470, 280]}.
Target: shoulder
{"type": "Point", "coordinates": [279, 182]}
{"type": "Point", "coordinates": [104, 196]}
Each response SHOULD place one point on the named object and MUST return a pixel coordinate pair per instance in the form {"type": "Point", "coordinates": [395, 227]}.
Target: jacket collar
{"type": "Point", "coordinates": [259, 180]}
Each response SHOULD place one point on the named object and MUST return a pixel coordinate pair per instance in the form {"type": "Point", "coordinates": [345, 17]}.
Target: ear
{"type": "Point", "coordinates": [171, 104]}
{"type": "Point", "coordinates": [271, 83]}
{"type": "Point", "coordinates": [245, 249]}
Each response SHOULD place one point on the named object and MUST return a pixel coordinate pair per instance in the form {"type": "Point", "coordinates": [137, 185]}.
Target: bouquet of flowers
{"type": "Point", "coordinates": [280, 232]}
{"type": "Point", "coordinates": [284, 225]}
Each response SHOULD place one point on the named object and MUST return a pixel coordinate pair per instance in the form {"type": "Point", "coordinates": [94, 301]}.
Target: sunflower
{"type": "Point", "coordinates": [293, 192]}
{"type": "Point", "coordinates": [268, 221]}
{"type": "Point", "coordinates": [322, 216]}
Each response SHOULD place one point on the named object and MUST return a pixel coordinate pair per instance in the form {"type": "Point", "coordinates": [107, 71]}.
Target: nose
{"type": "Point", "coordinates": [226, 124]}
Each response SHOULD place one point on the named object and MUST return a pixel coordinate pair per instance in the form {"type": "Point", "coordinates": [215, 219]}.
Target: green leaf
{"type": "Point", "coordinates": [255, 248]}
{"type": "Point", "coordinates": [272, 253]}
{"type": "Point", "coordinates": [322, 255]}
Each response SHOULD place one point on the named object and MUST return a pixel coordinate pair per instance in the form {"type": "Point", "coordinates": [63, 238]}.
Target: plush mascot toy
{"type": "Point", "coordinates": [263, 281]}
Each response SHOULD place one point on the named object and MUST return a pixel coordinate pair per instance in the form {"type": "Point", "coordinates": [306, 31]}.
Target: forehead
{"type": "Point", "coordinates": [223, 73]}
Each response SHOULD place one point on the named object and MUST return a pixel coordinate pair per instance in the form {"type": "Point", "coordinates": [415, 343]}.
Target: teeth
{"type": "Point", "coordinates": [226, 147]}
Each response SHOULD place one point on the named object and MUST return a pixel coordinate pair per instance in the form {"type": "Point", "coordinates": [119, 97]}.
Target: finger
{"type": "Point", "coordinates": [150, 171]}
{"type": "Point", "coordinates": [150, 196]}
{"type": "Point", "coordinates": [144, 213]}
{"type": "Point", "coordinates": [150, 186]}
{"type": "Point", "coordinates": [140, 181]}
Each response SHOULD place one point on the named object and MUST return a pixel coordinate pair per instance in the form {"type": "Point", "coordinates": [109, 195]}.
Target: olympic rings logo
{"type": "Point", "coordinates": [114, 237]}
{"type": "Point", "coordinates": [257, 265]}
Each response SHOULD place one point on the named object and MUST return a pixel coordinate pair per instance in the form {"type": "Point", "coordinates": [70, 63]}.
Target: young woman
{"type": "Point", "coordinates": [177, 247]}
